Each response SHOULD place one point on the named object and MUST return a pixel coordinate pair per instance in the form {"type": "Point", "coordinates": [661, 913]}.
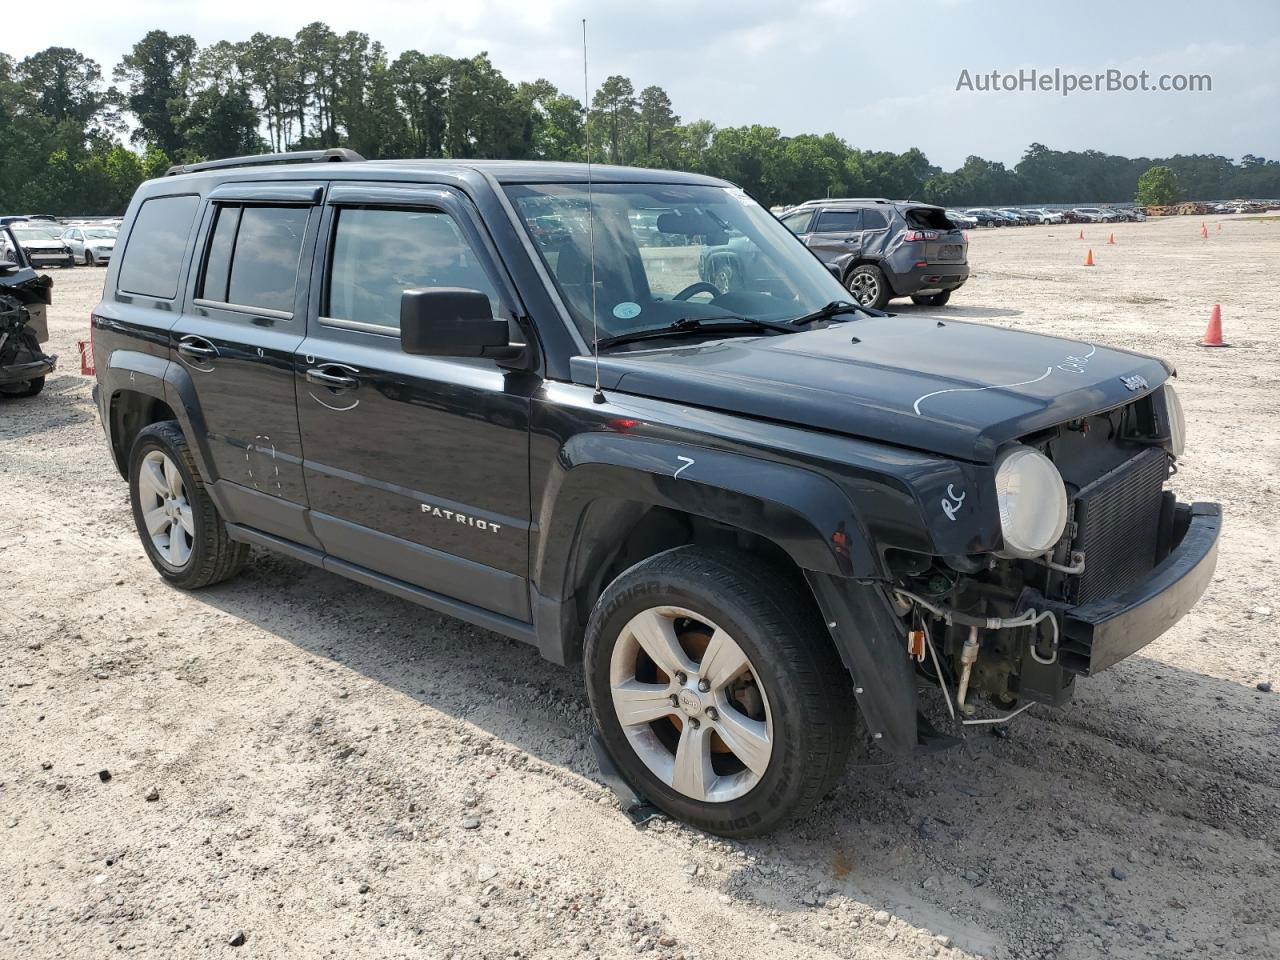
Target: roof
{"type": "Point", "coordinates": [503, 171]}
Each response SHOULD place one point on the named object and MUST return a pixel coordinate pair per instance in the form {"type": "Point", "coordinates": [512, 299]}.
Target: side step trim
{"type": "Point", "coordinates": [515, 629]}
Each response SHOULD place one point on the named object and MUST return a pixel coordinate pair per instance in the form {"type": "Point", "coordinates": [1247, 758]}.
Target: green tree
{"type": "Point", "coordinates": [158, 73]}
{"type": "Point", "coordinates": [66, 87]}
{"type": "Point", "coordinates": [613, 111]}
{"type": "Point", "coordinates": [420, 85]}
{"type": "Point", "coordinates": [655, 121]}
{"type": "Point", "coordinates": [1157, 187]}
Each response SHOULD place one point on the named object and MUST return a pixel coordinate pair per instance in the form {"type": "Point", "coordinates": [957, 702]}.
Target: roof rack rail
{"type": "Point", "coordinates": [333, 155]}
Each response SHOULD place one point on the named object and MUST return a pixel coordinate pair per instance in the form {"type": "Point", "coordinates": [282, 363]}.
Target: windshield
{"type": "Point", "coordinates": [100, 233]}
{"type": "Point", "coordinates": [27, 235]}
{"type": "Point", "coordinates": [666, 253]}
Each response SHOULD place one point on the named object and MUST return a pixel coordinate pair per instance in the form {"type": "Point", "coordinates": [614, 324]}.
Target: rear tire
{"type": "Point", "coordinates": [770, 734]}
{"type": "Point", "coordinates": [181, 530]}
{"type": "Point", "coordinates": [868, 286]}
{"type": "Point", "coordinates": [933, 299]}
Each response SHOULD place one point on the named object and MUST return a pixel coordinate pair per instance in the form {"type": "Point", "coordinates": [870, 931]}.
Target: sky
{"type": "Point", "coordinates": [882, 76]}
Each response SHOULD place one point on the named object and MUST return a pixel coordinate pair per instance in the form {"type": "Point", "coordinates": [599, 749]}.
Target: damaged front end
{"type": "Point", "coordinates": [1090, 570]}
{"type": "Point", "coordinates": [24, 297]}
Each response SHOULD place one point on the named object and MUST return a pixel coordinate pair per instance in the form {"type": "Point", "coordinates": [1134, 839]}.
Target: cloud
{"type": "Point", "coordinates": [882, 76]}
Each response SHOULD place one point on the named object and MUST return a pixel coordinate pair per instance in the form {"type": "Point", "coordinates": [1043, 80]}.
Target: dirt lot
{"type": "Point", "coordinates": [343, 774]}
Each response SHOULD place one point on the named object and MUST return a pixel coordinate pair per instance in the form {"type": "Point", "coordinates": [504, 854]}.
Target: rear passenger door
{"type": "Point", "coordinates": [244, 318]}
{"type": "Point", "coordinates": [416, 467]}
{"type": "Point", "coordinates": [835, 235]}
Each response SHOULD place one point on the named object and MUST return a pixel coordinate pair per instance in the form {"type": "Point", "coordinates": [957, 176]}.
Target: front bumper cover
{"type": "Point", "coordinates": [1104, 632]}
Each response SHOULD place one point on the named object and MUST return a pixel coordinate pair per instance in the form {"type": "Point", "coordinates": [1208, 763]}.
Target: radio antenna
{"type": "Point", "coordinates": [598, 396]}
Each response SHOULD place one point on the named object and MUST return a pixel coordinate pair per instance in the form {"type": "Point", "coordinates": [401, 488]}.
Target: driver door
{"type": "Point", "coordinates": [416, 467]}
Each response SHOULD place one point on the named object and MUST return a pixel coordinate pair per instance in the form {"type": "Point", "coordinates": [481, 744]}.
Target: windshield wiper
{"type": "Point", "coordinates": [688, 326]}
{"type": "Point", "coordinates": [833, 309]}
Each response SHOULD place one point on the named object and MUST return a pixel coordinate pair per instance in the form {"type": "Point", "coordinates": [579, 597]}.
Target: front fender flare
{"type": "Point", "coordinates": [805, 514]}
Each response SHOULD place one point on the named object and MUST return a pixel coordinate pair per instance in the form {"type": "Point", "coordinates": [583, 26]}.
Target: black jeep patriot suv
{"type": "Point", "coordinates": [761, 520]}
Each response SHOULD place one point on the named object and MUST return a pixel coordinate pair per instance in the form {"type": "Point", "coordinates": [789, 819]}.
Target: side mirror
{"type": "Point", "coordinates": [452, 322]}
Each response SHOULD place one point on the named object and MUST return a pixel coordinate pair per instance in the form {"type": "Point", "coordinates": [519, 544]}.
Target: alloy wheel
{"type": "Point", "coordinates": [690, 704]}
{"type": "Point", "coordinates": [166, 511]}
{"type": "Point", "coordinates": [864, 287]}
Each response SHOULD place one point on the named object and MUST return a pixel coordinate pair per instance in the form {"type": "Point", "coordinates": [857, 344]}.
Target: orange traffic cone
{"type": "Point", "coordinates": [1204, 231]}
{"type": "Point", "coordinates": [1088, 260]}
{"type": "Point", "coordinates": [1082, 234]}
{"type": "Point", "coordinates": [1111, 239]}
{"type": "Point", "coordinates": [1213, 332]}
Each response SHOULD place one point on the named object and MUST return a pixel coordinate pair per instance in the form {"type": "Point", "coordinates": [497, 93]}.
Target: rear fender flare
{"type": "Point", "coordinates": [130, 371]}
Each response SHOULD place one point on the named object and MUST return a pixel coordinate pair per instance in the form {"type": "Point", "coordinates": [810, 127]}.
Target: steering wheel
{"type": "Point", "coordinates": [700, 287]}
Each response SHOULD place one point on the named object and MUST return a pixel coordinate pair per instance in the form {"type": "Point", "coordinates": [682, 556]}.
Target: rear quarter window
{"type": "Point", "coordinates": [157, 243]}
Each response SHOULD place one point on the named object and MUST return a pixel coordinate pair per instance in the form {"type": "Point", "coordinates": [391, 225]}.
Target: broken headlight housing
{"type": "Point", "coordinates": [1032, 500]}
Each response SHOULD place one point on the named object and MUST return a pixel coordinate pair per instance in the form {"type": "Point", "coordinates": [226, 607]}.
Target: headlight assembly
{"type": "Point", "coordinates": [1032, 501]}
{"type": "Point", "coordinates": [1177, 424]}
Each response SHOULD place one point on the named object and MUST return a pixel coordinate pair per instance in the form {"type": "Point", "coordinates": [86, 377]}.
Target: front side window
{"type": "Point", "coordinates": [728, 257]}
{"type": "Point", "coordinates": [379, 253]}
{"type": "Point", "coordinates": [156, 245]}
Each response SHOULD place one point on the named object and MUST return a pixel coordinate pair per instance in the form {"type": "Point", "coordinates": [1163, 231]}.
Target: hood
{"type": "Point", "coordinates": [948, 387]}
{"type": "Point", "coordinates": [42, 245]}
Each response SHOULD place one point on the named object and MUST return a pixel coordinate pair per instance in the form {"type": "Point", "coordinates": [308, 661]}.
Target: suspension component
{"type": "Point", "coordinates": [968, 656]}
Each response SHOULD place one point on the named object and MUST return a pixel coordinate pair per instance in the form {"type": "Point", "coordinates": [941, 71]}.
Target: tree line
{"type": "Point", "coordinates": [73, 141]}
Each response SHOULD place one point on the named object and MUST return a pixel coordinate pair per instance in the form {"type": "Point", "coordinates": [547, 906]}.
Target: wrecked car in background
{"type": "Point", "coordinates": [24, 295]}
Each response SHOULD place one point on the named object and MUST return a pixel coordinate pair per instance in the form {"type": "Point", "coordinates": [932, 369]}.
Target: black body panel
{"type": "Point", "coordinates": [506, 493]}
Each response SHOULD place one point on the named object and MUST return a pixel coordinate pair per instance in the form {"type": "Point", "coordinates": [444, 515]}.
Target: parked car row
{"type": "Point", "coordinates": [1024, 216]}
{"type": "Point", "coordinates": [49, 242]}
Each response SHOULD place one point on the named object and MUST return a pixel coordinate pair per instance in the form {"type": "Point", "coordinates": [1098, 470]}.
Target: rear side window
{"type": "Point", "coordinates": [927, 218]}
{"type": "Point", "coordinates": [253, 256]}
{"type": "Point", "coordinates": [156, 245]}
{"type": "Point", "coordinates": [380, 253]}
{"type": "Point", "coordinates": [841, 221]}
{"type": "Point", "coordinates": [874, 220]}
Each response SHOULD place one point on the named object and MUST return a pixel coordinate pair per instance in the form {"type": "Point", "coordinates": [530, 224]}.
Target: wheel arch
{"type": "Point", "coordinates": [616, 500]}
{"type": "Point", "coordinates": [139, 389]}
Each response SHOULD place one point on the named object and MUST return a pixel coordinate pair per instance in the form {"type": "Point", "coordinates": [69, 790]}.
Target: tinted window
{"type": "Point", "coordinates": [264, 266]}
{"type": "Point", "coordinates": [156, 246]}
{"type": "Point", "coordinates": [798, 223]}
{"type": "Point", "coordinates": [217, 266]}
{"type": "Point", "coordinates": [378, 254]}
{"type": "Point", "coordinates": [874, 220]}
{"type": "Point", "coordinates": [840, 221]}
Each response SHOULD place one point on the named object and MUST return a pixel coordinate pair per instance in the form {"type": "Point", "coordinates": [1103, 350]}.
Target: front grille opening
{"type": "Point", "coordinates": [1118, 526]}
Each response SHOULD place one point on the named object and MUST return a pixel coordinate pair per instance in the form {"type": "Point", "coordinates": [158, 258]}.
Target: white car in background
{"type": "Point", "coordinates": [1043, 215]}
{"type": "Point", "coordinates": [90, 245]}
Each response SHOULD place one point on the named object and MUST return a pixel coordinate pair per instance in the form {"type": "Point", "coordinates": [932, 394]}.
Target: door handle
{"type": "Point", "coordinates": [197, 348]}
{"type": "Point", "coordinates": [336, 381]}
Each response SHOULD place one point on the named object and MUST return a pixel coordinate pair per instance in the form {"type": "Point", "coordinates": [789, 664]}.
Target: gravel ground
{"type": "Point", "coordinates": [299, 766]}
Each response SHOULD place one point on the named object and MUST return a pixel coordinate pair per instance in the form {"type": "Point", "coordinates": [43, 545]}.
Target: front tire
{"type": "Point", "coordinates": [180, 528]}
{"type": "Point", "coordinates": [717, 690]}
{"type": "Point", "coordinates": [933, 299]}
